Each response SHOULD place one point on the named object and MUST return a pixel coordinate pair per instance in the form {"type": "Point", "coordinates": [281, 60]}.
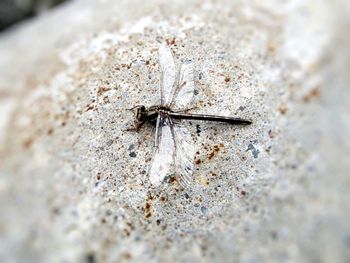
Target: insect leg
{"type": "Point", "coordinates": [137, 126]}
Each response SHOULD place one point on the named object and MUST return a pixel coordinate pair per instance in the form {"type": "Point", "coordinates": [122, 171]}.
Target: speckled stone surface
{"type": "Point", "coordinates": [73, 181]}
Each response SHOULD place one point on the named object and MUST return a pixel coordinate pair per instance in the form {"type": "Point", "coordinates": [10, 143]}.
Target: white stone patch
{"type": "Point", "coordinates": [6, 110]}
{"type": "Point", "coordinates": [85, 48]}
{"type": "Point", "coordinates": [137, 27]}
{"type": "Point", "coordinates": [96, 46]}
{"type": "Point", "coordinates": [307, 32]}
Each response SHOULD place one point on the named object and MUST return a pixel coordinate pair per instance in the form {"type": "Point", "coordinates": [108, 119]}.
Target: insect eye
{"type": "Point", "coordinates": [143, 108]}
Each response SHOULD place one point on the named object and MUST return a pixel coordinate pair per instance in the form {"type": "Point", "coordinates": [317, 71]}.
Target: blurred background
{"type": "Point", "coordinates": [14, 11]}
{"type": "Point", "coordinates": [73, 183]}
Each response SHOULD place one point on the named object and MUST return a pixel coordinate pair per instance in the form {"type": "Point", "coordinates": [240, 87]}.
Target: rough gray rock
{"type": "Point", "coordinates": [73, 185]}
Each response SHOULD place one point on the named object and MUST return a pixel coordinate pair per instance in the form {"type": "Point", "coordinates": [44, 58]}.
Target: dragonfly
{"type": "Point", "coordinates": [174, 149]}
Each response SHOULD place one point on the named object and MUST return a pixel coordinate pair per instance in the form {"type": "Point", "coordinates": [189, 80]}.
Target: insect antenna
{"type": "Point", "coordinates": [131, 109]}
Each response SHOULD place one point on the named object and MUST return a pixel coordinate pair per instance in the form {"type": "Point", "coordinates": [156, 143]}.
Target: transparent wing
{"type": "Point", "coordinates": [163, 159]}
{"type": "Point", "coordinates": [168, 75]}
{"type": "Point", "coordinates": [185, 89]}
{"type": "Point", "coordinates": [184, 154]}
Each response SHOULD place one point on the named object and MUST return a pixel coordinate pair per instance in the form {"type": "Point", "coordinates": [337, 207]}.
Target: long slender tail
{"type": "Point", "coordinates": [205, 117]}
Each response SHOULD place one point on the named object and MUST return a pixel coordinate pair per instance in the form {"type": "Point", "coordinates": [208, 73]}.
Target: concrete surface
{"type": "Point", "coordinates": [73, 182]}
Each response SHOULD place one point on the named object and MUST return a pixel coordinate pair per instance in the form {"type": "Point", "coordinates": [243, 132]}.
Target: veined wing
{"type": "Point", "coordinates": [168, 75]}
{"type": "Point", "coordinates": [163, 159]}
{"type": "Point", "coordinates": [185, 88]}
{"type": "Point", "coordinates": [184, 154]}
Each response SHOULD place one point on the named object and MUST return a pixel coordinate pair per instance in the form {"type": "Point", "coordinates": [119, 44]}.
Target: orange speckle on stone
{"type": "Point", "coordinates": [283, 109]}
{"type": "Point", "coordinates": [313, 93]}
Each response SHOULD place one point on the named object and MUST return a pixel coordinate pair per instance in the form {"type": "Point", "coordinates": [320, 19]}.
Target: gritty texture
{"type": "Point", "coordinates": [73, 181]}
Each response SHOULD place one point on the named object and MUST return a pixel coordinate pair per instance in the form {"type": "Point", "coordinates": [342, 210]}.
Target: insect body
{"type": "Point", "coordinates": [174, 150]}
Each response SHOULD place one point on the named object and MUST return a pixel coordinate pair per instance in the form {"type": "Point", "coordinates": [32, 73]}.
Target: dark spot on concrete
{"type": "Point", "coordinates": [283, 109]}
{"type": "Point", "coordinates": [106, 99]}
{"type": "Point", "coordinates": [56, 211]}
{"type": "Point", "coordinates": [243, 193]}
{"type": "Point", "coordinates": [200, 76]}
{"type": "Point", "coordinates": [148, 215]}
{"type": "Point", "coordinates": [126, 255]}
{"type": "Point", "coordinates": [272, 134]}
{"type": "Point", "coordinates": [272, 47]}
{"type": "Point", "coordinates": [147, 208]}
{"type": "Point", "coordinates": [109, 143]}
{"type": "Point", "coordinates": [132, 154]}
{"type": "Point", "coordinates": [211, 155]}
{"type": "Point", "coordinates": [274, 235]}
{"type": "Point", "coordinates": [268, 149]}
{"type": "Point", "coordinates": [241, 108]}
{"type": "Point", "coordinates": [204, 210]}
{"type": "Point", "coordinates": [215, 150]}
{"type": "Point", "coordinates": [172, 179]}
{"type": "Point", "coordinates": [158, 222]}
{"type": "Point", "coordinates": [171, 41]}
{"type": "Point", "coordinates": [254, 151]}
{"type": "Point", "coordinates": [198, 161]}
{"type": "Point", "coordinates": [130, 225]}
{"type": "Point", "coordinates": [88, 107]}
{"type": "Point", "coordinates": [27, 143]}
{"type": "Point", "coordinates": [313, 93]}
{"type": "Point", "coordinates": [198, 129]}
{"type": "Point", "coordinates": [127, 232]}
{"type": "Point", "coordinates": [131, 147]}
{"type": "Point", "coordinates": [50, 131]}
{"type": "Point", "coordinates": [102, 90]}
{"type": "Point", "coordinates": [90, 258]}
{"type": "Point", "coordinates": [186, 196]}
{"type": "Point", "coordinates": [227, 79]}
